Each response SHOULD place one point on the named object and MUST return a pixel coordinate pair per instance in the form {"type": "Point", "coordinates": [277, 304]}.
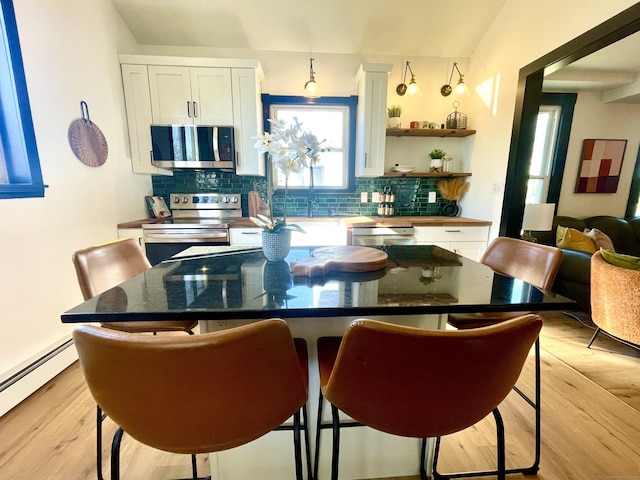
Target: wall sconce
{"type": "Point", "coordinates": [538, 217]}
{"type": "Point", "coordinates": [460, 87]}
{"type": "Point", "coordinates": [402, 88]}
{"type": "Point", "coordinates": [311, 87]}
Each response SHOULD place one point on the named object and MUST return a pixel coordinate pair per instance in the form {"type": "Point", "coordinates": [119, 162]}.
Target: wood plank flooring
{"type": "Point", "coordinates": [591, 422]}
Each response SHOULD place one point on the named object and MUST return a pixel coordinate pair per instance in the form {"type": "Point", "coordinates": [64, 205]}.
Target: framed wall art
{"type": "Point", "coordinates": [600, 165]}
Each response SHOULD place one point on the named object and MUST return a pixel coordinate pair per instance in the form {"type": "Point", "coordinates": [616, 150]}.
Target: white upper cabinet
{"type": "Point", "coordinates": [190, 95]}
{"type": "Point", "coordinates": [193, 91]}
{"type": "Point", "coordinates": [247, 119]}
{"type": "Point", "coordinates": [372, 79]}
{"type": "Point", "coordinates": [135, 82]}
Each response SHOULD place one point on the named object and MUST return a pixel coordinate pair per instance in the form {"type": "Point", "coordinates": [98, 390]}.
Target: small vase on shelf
{"type": "Point", "coordinates": [276, 245]}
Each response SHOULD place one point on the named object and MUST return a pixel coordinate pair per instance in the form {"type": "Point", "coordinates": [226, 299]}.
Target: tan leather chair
{"type": "Point", "coordinates": [615, 301]}
{"type": "Point", "coordinates": [421, 383]}
{"type": "Point", "coordinates": [100, 269]}
{"type": "Point", "coordinates": [104, 266]}
{"type": "Point", "coordinates": [533, 263]}
{"type": "Point", "coordinates": [251, 382]}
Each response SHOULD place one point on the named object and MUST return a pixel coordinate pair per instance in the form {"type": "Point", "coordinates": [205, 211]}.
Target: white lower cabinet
{"type": "Point", "coordinates": [247, 236]}
{"type": "Point", "coordinates": [467, 241]}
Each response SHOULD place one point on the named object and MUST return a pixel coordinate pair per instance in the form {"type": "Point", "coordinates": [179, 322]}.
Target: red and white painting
{"type": "Point", "coordinates": [600, 166]}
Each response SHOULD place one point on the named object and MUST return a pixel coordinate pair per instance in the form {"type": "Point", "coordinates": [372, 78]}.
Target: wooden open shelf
{"type": "Point", "coordinates": [428, 132]}
{"type": "Point", "coordinates": [427, 174]}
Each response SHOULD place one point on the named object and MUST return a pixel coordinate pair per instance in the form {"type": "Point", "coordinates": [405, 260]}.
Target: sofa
{"type": "Point", "coordinates": [574, 277]}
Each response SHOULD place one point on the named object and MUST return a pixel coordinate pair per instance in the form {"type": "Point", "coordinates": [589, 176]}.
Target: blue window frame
{"type": "Point", "coordinates": [20, 174]}
{"type": "Point", "coordinates": [345, 148]}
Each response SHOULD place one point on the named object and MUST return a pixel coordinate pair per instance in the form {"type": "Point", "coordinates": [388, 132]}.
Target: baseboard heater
{"type": "Point", "coordinates": [23, 372]}
{"type": "Point", "coordinates": [25, 379]}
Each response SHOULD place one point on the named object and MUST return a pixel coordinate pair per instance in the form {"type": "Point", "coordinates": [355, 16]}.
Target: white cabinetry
{"type": "Point", "coordinates": [372, 79]}
{"type": "Point", "coordinates": [199, 91]}
{"type": "Point", "coordinates": [246, 86]}
{"type": "Point", "coordinates": [190, 95]}
{"type": "Point", "coordinates": [468, 241]}
{"type": "Point", "coordinates": [245, 236]}
{"type": "Point", "coordinates": [135, 82]}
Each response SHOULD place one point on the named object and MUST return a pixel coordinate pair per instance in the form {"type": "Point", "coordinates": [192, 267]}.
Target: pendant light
{"type": "Point", "coordinates": [461, 87]}
{"type": "Point", "coordinates": [311, 87]}
{"type": "Point", "coordinates": [402, 88]}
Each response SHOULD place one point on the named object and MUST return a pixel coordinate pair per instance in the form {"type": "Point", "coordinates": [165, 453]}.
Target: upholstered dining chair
{"type": "Point", "coordinates": [533, 263]}
{"type": "Point", "coordinates": [421, 383]}
{"type": "Point", "coordinates": [615, 301]}
{"type": "Point", "coordinates": [253, 382]}
{"type": "Point", "coordinates": [102, 267]}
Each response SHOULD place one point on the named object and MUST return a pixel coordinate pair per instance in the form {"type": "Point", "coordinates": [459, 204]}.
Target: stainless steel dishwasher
{"type": "Point", "coordinates": [382, 236]}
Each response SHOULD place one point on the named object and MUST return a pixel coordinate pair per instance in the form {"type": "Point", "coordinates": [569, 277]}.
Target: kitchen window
{"type": "Point", "coordinates": [20, 174]}
{"type": "Point", "coordinates": [329, 118]}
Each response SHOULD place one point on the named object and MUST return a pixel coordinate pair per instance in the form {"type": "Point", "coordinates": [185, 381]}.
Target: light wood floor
{"type": "Point", "coordinates": [590, 417]}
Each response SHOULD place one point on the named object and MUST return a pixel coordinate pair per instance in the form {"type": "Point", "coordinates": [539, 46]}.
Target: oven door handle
{"type": "Point", "coordinates": [165, 237]}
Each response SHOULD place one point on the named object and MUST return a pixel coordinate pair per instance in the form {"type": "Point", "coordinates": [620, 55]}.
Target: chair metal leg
{"type": "Point", "coordinates": [316, 459]}
{"type": "Point", "coordinates": [99, 419]}
{"type": "Point", "coordinates": [297, 445]}
{"type": "Point", "coordinates": [307, 443]}
{"type": "Point", "coordinates": [536, 405]}
{"type": "Point", "coordinates": [335, 454]}
{"type": "Point", "coordinates": [115, 454]}
{"type": "Point", "coordinates": [595, 334]}
{"type": "Point", "coordinates": [194, 467]}
{"type": "Point", "coordinates": [500, 445]}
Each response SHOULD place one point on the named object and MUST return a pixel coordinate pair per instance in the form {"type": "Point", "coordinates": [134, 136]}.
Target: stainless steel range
{"type": "Point", "coordinates": [197, 219]}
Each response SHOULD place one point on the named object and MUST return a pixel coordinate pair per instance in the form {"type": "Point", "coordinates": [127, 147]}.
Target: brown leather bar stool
{"type": "Point", "coordinates": [535, 264]}
{"type": "Point", "coordinates": [421, 383]}
{"type": "Point", "coordinates": [140, 382]}
{"type": "Point", "coordinates": [102, 267]}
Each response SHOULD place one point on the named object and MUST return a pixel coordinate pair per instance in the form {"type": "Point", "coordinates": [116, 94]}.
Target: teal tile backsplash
{"type": "Point", "coordinates": [411, 193]}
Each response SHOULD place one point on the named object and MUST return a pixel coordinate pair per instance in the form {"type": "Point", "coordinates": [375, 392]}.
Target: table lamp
{"type": "Point", "coordinates": [537, 216]}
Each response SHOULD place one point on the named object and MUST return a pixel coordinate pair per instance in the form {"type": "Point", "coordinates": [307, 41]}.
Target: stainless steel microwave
{"type": "Point", "coordinates": [193, 146]}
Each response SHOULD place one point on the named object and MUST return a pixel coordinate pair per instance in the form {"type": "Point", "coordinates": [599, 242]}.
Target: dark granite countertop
{"type": "Point", "coordinates": [232, 283]}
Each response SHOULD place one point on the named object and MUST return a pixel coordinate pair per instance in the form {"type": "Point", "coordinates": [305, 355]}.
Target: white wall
{"type": "Point", "coordinates": [70, 54]}
{"type": "Point", "coordinates": [594, 119]}
{"type": "Point", "coordinates": [522, 33]}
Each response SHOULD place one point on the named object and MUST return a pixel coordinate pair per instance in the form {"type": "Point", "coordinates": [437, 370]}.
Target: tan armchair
{"type": "Point", "coordinates": [615, 301]}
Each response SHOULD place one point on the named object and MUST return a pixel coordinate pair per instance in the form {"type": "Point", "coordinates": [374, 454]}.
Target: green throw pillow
{"type": "Point", "coordinates": [621, 260]}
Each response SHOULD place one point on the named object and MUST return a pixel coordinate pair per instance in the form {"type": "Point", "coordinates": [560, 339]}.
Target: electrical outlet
{"type": "Point", "coordinates": [375, 197]}
{"type": "Point", "coordinates": [497, 188]}
{"type": "Point", "coordinates": [432, 197]}
{"type": "Point", "coordinates": [364, 197]}
{"type": "Point", "coordinates": [221, 323]}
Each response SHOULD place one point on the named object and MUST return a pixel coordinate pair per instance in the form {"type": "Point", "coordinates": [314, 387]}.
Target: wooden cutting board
{"type": "Point", "coordinates": [340, 259]}
{"type": "Point", "coordinates": [257, 205]}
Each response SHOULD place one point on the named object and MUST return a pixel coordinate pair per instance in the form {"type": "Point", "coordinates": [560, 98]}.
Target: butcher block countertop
{"type": "Point", "coordinates": [373, 221]}
{"type": "Point", "coordinates": [349, 222]}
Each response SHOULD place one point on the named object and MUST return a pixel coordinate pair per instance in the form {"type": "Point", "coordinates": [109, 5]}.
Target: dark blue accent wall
{"type": "Point", "coordinates": [411, 193]}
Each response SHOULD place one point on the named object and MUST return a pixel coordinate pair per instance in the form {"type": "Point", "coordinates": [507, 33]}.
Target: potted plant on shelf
{"type": "Point", "coordinates": [394, 112]}
{"type": "Point", "coordinates": [289, 148]}
{"type": "Point", "coordinates": [436, 160]}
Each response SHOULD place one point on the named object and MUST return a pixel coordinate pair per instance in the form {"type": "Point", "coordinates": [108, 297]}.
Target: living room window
{"type": "Point", "coordinates": [20, 174]}
{"type": "Point", "coordinates": [551, 141]}
{"type": "Point", "coordinates": [329, 118]}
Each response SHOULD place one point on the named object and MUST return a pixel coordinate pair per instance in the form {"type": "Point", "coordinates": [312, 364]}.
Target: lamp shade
{"type": "Point", "coordinates": [538, 216]}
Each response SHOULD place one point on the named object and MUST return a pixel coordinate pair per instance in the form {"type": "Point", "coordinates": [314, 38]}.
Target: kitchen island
{"type": "Point", "coordinates": [226, 286]}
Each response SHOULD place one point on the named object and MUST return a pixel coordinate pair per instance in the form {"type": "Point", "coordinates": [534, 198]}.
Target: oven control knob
{"type": "Point", "coordinates": [195, 200]}
{"type": "Point", "coordinates": [176, 199]}
{"type": "Point", "coordinates": [185, 199]}
{"type": "Point", "coordinates": [234, 199]}
{"type": "Point", "coordinates": [204, 199]}
{"type": "Point", "coordinates": [214, 199]}
{"type": "Point", "coordinates": [225, 199]}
